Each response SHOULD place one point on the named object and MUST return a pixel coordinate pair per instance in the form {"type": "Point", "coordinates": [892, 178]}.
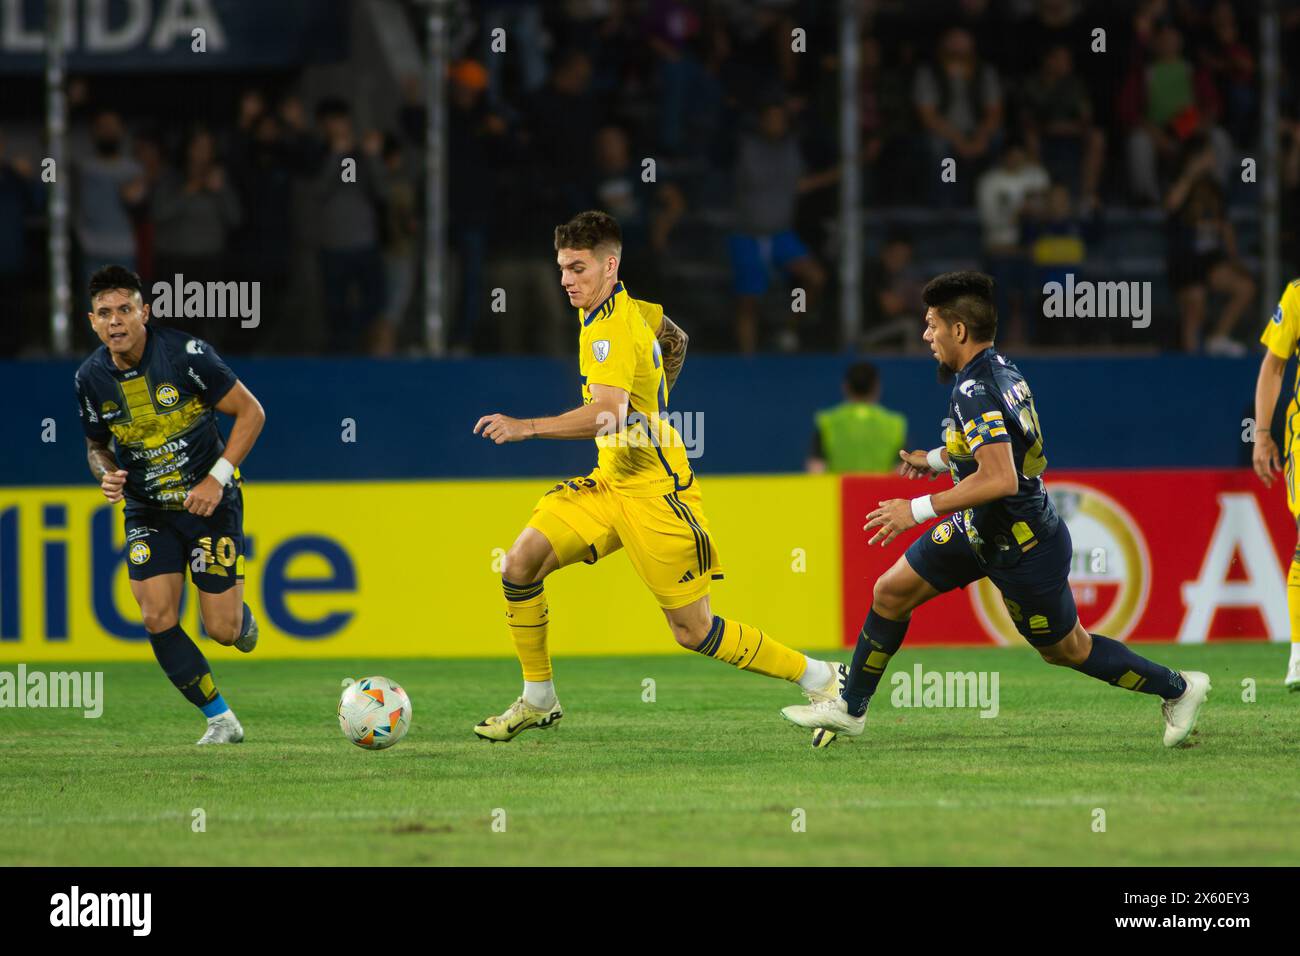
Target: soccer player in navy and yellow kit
{"type": "Point", "coordinates": [154, 393]}
{"type": "Point", "coordinates": [1282, 338]}
{"type": "Point", "coordinates": [1001, 525]}
{"type": "Point", "coordinates": [642, 496]}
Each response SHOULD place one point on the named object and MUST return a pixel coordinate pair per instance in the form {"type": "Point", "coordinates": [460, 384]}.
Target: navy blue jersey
{"type": "Point", "coordinates": [990, 404]}
{"type": "Point", "coordinates": [159, 415]}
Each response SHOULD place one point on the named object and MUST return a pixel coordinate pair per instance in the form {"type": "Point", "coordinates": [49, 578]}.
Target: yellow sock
{"type": "Point", "coordinates": [526, 618]}
{"type": "Point", "coordinates": [750, 649]}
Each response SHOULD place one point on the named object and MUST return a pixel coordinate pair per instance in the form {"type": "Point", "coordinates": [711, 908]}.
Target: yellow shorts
{"type": "Point", "coordinates": [666, 537]}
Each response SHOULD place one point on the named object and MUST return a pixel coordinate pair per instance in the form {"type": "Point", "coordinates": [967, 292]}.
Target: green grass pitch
{"type": "Point", "coordinates": [708, 773]}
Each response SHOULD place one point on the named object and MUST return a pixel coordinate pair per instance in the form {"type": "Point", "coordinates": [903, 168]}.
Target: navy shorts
{"type": "Point", "coordinates": [1036, 590]}
{"type": "Point", "coordinates": [169, 542]}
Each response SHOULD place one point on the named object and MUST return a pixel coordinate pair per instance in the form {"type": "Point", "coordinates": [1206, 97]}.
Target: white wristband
{"type": "Point", "coordinates": [935, 459]}
{"type": "Point", "coordinates": [923, 510]}
{"type": "Point", "coordinates": [222, 471]}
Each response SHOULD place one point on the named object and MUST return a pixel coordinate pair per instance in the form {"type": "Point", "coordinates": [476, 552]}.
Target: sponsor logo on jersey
{"type": "Point", "coordinates": [600, 349]}
{"type": "Point", "coordinates": [139, 552]}
{"type": "Point", "coordinates": [969, 386]}
{"type": "Point", "coordinates": [167, 395]}
{"type": "Point", "coordinates": [942, 533]}
{"type": "Point", "coordinates": [1277, 314]}
{"type": "Point", "coordinates": [108, 407]}
{"type": "Point", "coordinates": [194, 347]}
{"type": "Point", "coordinates": [168, 449]}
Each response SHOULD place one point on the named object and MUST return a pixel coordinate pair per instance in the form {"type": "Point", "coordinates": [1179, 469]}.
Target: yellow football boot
{"type": "Point", "coordinates": [518, 717]}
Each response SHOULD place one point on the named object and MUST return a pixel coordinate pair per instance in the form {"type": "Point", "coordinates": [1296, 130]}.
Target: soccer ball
{"type": "Point", "coordinates": [374, 712]}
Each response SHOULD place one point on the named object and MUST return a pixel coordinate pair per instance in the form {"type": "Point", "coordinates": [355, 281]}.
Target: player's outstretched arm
{"type": "Point", "coordinates": [672, 345]}
{"type": "Point", "coordinates": [603, 416]}
{"type": "Point", "coordinates": [1265, 457]}
{"type": "Point", "coordinates": [994, 478]}
{"type": "Point", "coordinates": [103, 465]}
{"type": "Point", "coordinates": [249, 417]}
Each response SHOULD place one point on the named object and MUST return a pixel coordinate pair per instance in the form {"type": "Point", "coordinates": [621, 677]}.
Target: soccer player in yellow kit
{"type": "Point", "coordinates": [642, 496]}
{"type": "Point", "coordinates": [1282, 336]}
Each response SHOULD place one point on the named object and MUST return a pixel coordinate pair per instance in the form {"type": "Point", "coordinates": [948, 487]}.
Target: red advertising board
{"type": "Point", "coordinates": [1172, 555]}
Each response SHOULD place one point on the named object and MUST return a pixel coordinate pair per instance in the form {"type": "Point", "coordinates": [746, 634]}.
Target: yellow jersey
{"type": "Point", "coordinates": [1281, 336]}
{"type": "Point", "coordinates": [617, 347]}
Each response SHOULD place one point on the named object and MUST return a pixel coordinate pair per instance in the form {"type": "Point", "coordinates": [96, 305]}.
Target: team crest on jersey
{"type": "Point", "coordinates": [139, 553]}
{"type": "Point", "coordinates": [1277, 314]}
{"type": "Point", "coordinates": [600, 349]}
{"type": "Point", "coordinates": [108, 408]}
{"type": "Point", "coordinates": [167, 395]}
{"type": "Point", "coordinates": [942, 534]}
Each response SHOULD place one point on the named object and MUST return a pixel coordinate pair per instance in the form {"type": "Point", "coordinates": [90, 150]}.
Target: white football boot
{"type": "Point", "coordinates": [830, 714]}
{"type": "Point", "coordinates": [834, 687]}
{"type": "Point", "coordinates": [223, 729]}
{"type": "Point", "coordinates": [1292, 681]}
{"type": "Point", "coordinates": [821, 737]}
{"type": "Point", "coordinates": [1181, 712]}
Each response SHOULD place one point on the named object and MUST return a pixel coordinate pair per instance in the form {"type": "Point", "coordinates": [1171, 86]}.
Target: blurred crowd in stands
{"type": "Point", "coordinates": [1103, 139]}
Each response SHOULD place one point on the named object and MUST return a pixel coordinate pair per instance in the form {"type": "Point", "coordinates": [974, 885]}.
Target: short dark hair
{"type": "Point", "coordinates": [107, 278]}
{"type": "Point", "coordinates": [861, 379]}
{"type": "Point", "coordinates": [589, 230]}
{"type": "Point", "coordinates": [964, 297]}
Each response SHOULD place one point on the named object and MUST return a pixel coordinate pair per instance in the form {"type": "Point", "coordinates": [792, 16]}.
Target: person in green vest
{"type": "Point", "coordinates": [859, 434]}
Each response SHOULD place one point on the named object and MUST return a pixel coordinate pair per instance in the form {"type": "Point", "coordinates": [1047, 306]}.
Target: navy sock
{"type": "Point", "coordinates": [185, 666]}
{"type": "Point", "coordinates": [248, 621]}
{"type": "Point", "coordinates": [878, 641]}
{"type": "Point", "coordinates": [1117, 664]}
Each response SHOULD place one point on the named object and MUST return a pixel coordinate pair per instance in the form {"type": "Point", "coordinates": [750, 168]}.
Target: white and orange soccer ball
{"type": "Point", "coordinates": [374, 712]}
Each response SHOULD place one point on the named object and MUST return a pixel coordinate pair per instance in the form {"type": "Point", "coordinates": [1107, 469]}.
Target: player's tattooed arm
{"type": "Point", "coordinates": [100, 457]}
{"type": "Point", "coordinates": [103, 465]}
{"type": "Point", "coordinates": [672, 345]}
